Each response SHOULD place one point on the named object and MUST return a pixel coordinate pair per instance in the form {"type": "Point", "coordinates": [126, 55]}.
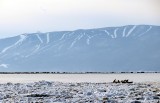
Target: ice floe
{"type": "Point", "coordinates": [84, 92]}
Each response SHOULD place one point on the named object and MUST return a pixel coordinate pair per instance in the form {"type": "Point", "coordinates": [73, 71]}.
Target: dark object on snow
{"type": "Point", "coordinates": [136, 102]}
{"type": "Point", "coordinates": [122, 81]}
{"type": "Point", "coordinates": [89, 93]}
{"type": "Point", "coordinates": [38, 95]}
{"type": "Point", "coordinates": [125, 81]}
{"type": "Point", "coordinates": [156, 97]}
{"type": "Point", "coordinates": [116, 81]}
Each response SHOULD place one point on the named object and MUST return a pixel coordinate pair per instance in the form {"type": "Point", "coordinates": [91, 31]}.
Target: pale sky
{"type": "Point", "coordinates": [27, 16]}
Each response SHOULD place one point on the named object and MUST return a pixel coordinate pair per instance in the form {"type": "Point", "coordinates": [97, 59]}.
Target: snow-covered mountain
{"type": "Point", "coordinates": [126, 48]}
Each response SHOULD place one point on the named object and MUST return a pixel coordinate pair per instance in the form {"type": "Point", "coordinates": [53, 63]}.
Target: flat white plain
{"type": "Point", "coordinates": [94, 78]}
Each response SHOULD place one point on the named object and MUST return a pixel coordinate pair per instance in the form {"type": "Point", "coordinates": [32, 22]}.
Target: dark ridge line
{"type": "Point", "coordinates": [77, 72]}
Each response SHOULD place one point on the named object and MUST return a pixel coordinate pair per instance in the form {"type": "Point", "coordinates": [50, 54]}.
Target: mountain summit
{"type": "Point", "coordinates": [125, 48]}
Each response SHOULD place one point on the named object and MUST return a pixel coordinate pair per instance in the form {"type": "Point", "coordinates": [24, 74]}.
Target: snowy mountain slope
{"type": "Point", "coordinates": [126, 48]}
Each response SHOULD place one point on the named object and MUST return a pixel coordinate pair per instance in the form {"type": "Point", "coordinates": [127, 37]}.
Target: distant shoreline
{"type": "Point", "coordinates": [76, 72]}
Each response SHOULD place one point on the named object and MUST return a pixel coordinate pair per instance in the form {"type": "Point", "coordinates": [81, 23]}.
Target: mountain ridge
{"type": "Point", "coordinates": [98, 49]}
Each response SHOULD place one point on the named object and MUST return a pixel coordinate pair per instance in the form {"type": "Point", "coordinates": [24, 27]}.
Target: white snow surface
{"type": "Point", "coordinates": [22, 38]}
{"type": "Point", "coordinates": [70, 34]}
{"type": "Point", "coordinates": [75, 40]}
{"type": "Point", "coordinates": [112, 36]}
{"type": "Point", "coordinates": [27, 78]}
{"type": "Point", "coordinates": [131, 30]}
{"type": "Point", "coordinates": [84, 92]}
{"type": "Point", "coordinates": [150, 27]}
{"type": "Point", "coordinates": [88, 40]}
{"type": "Point", "coordinates": [39, 38]}
{"type": "Point", "coordinates": [106, 32]}
{"type": "Point", "coordinates": [63, 36]}
{"type": "Point", "coordinates": [4, 65]}
{"type": "Point", "coordinates": [115, 32]}
{"type": "Point", "coordinates": [124, 32]}
{"type": "Point", "coordinates": [37, 47]}
{"type": "Point", "coordinates": [48, 39]}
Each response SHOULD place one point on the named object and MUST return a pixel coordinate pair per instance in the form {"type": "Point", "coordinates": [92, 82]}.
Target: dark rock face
{"type": "Point", "coordinates": [126, 48]}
